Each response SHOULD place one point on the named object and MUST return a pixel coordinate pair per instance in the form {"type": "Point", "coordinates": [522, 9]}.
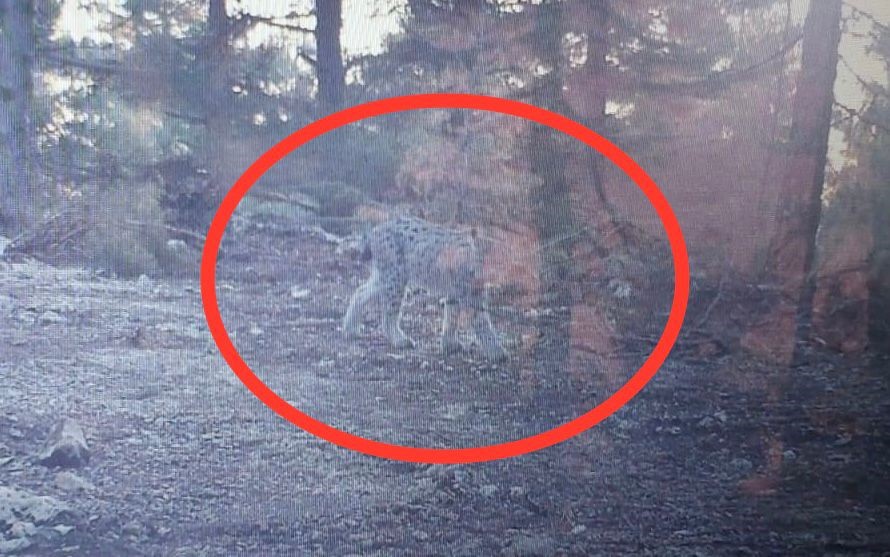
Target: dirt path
{"type": "Point", "coordinates": [187, 462]}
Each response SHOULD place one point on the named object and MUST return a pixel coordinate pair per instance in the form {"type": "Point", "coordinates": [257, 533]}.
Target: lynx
{"type": "Point", "coordinates": [408, 253]}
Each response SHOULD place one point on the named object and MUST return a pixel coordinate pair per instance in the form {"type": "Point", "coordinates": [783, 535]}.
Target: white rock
{"type": "Point", "coordinates": [176, 245]}
{"type": "Point", "coordinates": [488, 490]}
{"type": "Point", "coordinates": [51, 317]}
{"type": "Point", "coordinates": [299, 293]}
{"type": "Point", "coordinates": [22, 506]}
{"type": "Point", "coordinates": [66, 446]}
{"type": "Point", "coordinates": [72, 482]}
{"type": "Point", "coordinates": [22, 529]}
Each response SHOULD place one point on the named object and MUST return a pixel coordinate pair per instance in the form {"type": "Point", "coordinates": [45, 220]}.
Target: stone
{"type": "Point", "coordinates": [132, 529]}
{"type": "Point", "coordinates": [488, 490]}
{"type": "Point", "coordinates": [706, 422]}
{"type": "Point", "coordinates": [20, 506]}
{"type": "Point", "coordinates": [63, 529]}
{"type": "Point", "coordinates": [176, 245]}
{"type": "Point", "coordinates": [742, 465]}
{"type": "Point", "coordinates": [21, 529]}
{"type": "Point", "coordinates": [15, 545]}
{"type": "Point", "coordinates": [67, 481]}
{"type": "Point", "coordinates": [66, 446]}
{"type": "Point", "coordinates": [299, 293]}
{"type": "Point", "coordinates": [525, 544]}
{"type": "Point", "coordinates": [51, 317]}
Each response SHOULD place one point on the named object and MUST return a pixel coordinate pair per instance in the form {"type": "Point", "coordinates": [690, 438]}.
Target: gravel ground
{"type": "Point", "coordinates": [714, 457]}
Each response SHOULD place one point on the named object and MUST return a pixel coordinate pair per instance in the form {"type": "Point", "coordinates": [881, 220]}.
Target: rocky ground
{"type": "Point", "coordinates": [714, 457]}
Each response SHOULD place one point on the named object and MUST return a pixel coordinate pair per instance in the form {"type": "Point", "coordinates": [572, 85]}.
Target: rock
{"type": "Point", "coordinates": [742, 465]}
{"type": "Point", "coordinates": [67, 481]}
{"type": "Point", "coordinates": [789, 455]}
{"type": "Point", "coordinates": [298, 293]}
{"type": "Point", "coordinates": [526, 544]}
{"type": "Point", "coordinates": [176, 245]}
{"type": "Point", "coordinates": [21, 529]}
{"type": "Point", "coordinates": [488, 490]}
{"type": "Point", "coordinates": [51, 317]}
{"type": "Point", "coordinates": [63, 529]}
{"type": "Point", "coordinates": [144, 282]}
{"type": "Point", "coordinates": [579, 529]}
{"type": "Point", "coordinates": [325, 235]}
{"type": "Point", "coordinates": [15, 545]}
{"type": "Point", "coordinates": [19, 506]}
{"type": "Point", "coordinates": [132, 528]}
{"type": "Point", "coordinates": [26, 316]}
{"type": "Point", "coordinates": [621, 289]}
{"type": "Point", "coordinates": [706, 422]}
{"type": "Point", "coordinates": [66, 446]}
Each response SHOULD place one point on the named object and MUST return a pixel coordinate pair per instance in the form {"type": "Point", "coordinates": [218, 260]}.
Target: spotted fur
{"type": "Point", "coordinates": [412, 253]}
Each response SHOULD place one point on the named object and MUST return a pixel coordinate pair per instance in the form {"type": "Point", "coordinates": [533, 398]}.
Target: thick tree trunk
{"type": "Point", "coordinates": [330, 71]}
{"type": "Point", "coordinates": [218, 23]}
{"type": "Point", "coordinates": [554, 216]}
{"type": "Point", "coordinates": [595, 359]}
{"type": "Point", "coordinates": [811, 115]}
{"type": "Point", "coordinates": [215, 57]}
{"type": "Point", "coordinates": [790, 260]}
{"type": "Point", "coordinates": [801, 174]}
{"type": "Point", "coordinates": [17, 203]}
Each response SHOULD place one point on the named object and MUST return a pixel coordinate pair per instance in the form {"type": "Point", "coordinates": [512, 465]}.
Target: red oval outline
{"type": "Point", "coordinates": [448, 455]}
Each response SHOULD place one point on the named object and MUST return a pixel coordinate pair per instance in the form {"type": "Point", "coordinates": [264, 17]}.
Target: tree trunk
{"type": "Point", "coordinates": [593, 337]}
{"type": "Point", "coordinates": [330, 71]}
{"type": "Point", "coordinates": [811, 118]}
{"type": "Point", "coordinates": [17, 204]}
{"type": "Point", "coordinates": [791, 257]}
{"type": "Point", "coordinates": [554, 217]}
{"type": "Point", "coordinates": [215, 57]}
{"type": "Point", "coordinates": [218, 23]}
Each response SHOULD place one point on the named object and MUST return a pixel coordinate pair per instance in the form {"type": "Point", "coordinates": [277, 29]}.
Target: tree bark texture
{"type": "Point", "coordinates": [17, 204]}
{"type": "Point", "coordinates": [801, 179]}
{"type": "Point", "coordinates": [330, 70]}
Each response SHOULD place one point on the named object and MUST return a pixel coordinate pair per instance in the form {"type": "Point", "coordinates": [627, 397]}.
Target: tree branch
{"type": "Point", "coordinates": [106, 69]}
{"type": "Point", "coordinates": [186, 117]}
{"type": "Point", "coordinates": [308, 59]}
{"type": "Point", "coordinates": [725, 77]}
{"type": "Point", "coordinates": [274, 22]}
{"type": "Point", "coordinates": [870, 87]}
{"type": "Point", "coordinates": [874, 21]}
{"type": "Point", "coordinates": [865, 119]}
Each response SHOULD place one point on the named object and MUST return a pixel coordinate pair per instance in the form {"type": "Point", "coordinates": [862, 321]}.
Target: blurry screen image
{"type": "Point", "coordinates": [444, 277]}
